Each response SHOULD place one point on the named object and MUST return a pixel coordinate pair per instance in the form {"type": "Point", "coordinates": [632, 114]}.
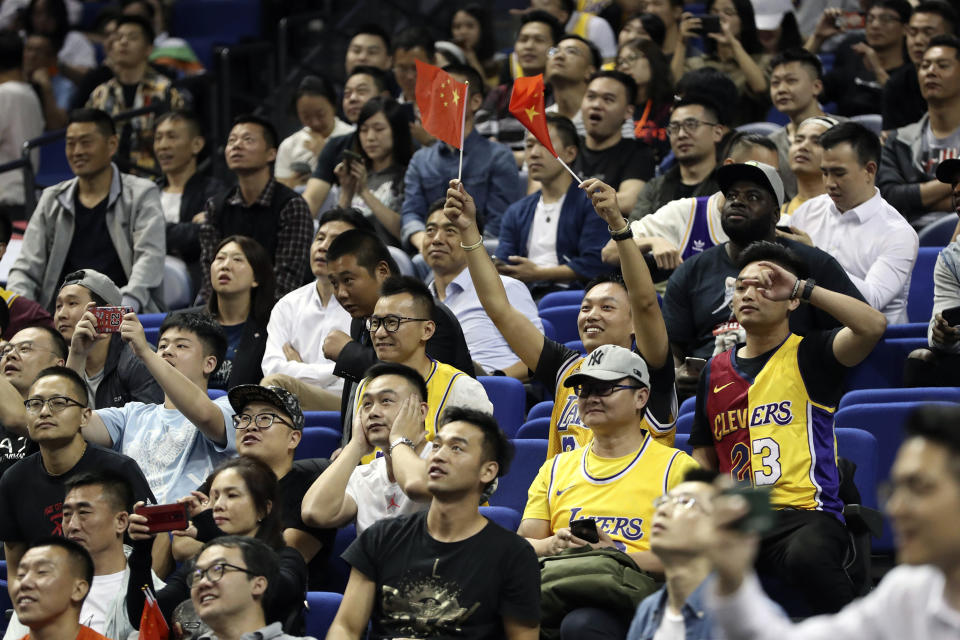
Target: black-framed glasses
{"type": "Point", "coordinates": [56, 404]}
{"type": "Point", "coordinates": [259, 422]}
{"type": "Point", "coordinates": [689, 126]}
{"type": "Point", "coordinates": [22, 348]}
{"type": "Point", "coordinates": [600, 389]}
{"type": "Point", "coordinates": [214, 572]}
{"type": "Point", "coordinates": [390, 322]}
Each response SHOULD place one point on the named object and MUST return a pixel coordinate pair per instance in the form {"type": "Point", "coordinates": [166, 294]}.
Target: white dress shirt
{"type": "Point", "coordinates": [873, 243]}
{"type": "Point", "coordinates": [487, 345]}
{"type": "Point", "coordinates": [908, 603]}
{"type": "Point", "coordinates": [301, 319]}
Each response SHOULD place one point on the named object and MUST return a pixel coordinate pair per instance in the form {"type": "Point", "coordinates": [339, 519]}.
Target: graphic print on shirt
{"type": "Point", "coordinates": [425, 606]}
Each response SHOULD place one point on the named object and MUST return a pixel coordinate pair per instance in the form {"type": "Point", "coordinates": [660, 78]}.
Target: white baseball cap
{"type": "Point", "coordinates": [769, 13]}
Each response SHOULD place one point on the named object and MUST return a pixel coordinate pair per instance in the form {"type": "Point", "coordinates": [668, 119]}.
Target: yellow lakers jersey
{"type": "Point", "coordinates": [617, 492]}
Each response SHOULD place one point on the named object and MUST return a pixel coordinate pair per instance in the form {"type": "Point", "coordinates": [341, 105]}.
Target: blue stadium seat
{"type": "Point", "coordinates": [685, 423]}
{"type": "Point", "coordinates": [3, 569]}
{"type": "Point", "coordinates": [509, 400]}
{"type": "Point", "coordinates": [229, 20]}
{"type": "Point", "coordinates": [213, 394]}
{"type": "Point", "coordinates": [152, 335]}
{"type": "Point", "coordinates": [5, 605]}
{"type": "Point", "coordinates": [576, 345]}
{"type": "Point", "coordinates": [338, 571]}
{"type": "Point", "coordinates": [775, 117]}
{"type": "Point", "coordinates": [908, 330]}
{"type": "Point", "coordinates": [321, 610]}
{"type": "Point", "coordinates": [886, 396]}
{"type": "Point", "coordinates": [872, 121]}
{"type": "Point", "coordinates": [682, 442]}
{"type": "Point", "coordinates": [53, 164]}
{"type": "Point", "coordinates": [512, 490]}
{"type": "Point", "coordinates": [939, 233]}
{"type": "Point", "coordinates": [149, 320]}
{"type": "Point", "coordinates": [883, 368]}
{"type": "Point", "coordinates": [541, 410]}
{"type": "Point", "coordinates": [506, 517]}
{"type": "Point", "coordinates": [564, 319]}
{"type": "Point", "coordinates": [536, 429]}
{"type": "Point", "coordinates": [329, 419]}
{"type": "Point", "coordinates": [549, 330]}
{"type": "Point", "coordinates": [560, 299]}
{"type": "Point", "coordinates": [687, 406]}
{"type": "Point", "coordinates": [827, 59]}
{"type": "Point", "coordinates": [920, 299]}
{"type": "Point", "coordinates": [317, 442]}
{"type": "Point", "coordinates": [860, 447]}
{"type": "Point", "coordinates": [763, 128]}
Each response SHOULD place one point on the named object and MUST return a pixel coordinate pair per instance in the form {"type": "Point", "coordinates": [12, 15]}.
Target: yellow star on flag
{"type": "Point", "coordinates": [531, 113]}
{"type": "Point", "coordinates": [456, 98]}
{"type": "Point", "coordinates": [445, 103]}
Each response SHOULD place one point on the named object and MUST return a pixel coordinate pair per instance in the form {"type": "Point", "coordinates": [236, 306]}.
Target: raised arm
{"type": "Point", "coordinates": [409, 469]}
{"type": "Point", "coordinates": [327, 503]}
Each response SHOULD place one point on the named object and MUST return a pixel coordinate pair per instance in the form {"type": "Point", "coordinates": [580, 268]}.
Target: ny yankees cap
{"type": "Point", "coordinates": [97, 283]}
{"type": "Point", "coordinates": [610, 362]}
{"type": "Point", "coordinates": [948, 171]}
{"type": "Point", "coordinates": [762, 174]}
{"type": "Point", "coordinates": [243, 394]}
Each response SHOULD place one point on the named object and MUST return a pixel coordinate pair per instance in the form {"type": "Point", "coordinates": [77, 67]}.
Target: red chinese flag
{"type": "Point", "coordinates": [152, 624]}
{"type": "Point", "coordinates": [441, 100]}
{"type": "Point", "coordinates": [526, 105]}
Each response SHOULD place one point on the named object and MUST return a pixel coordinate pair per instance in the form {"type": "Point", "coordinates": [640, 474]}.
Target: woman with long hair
{"type": "Point", "coordinates": [472, 31]}
{"type": "Point", "coordinates": [642, 60]}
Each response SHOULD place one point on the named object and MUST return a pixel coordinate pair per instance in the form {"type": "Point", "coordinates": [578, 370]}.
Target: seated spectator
{"type": "Point", "coordinates": [315, 107]}
{"type": "Point", "coordinates": [645, 26]}
{"type": "Point", "coordinates": [613, 311]}
{"type": "Point", "coordinates": [488, 168]}
{"type": "Point", "coordinates": [864, 63]}
{"type": "Point", "coordinates": [552, 237]}
{"type": "Point", "coordinates": [21, 312]}
{"type": "Point", "coordinates": [570, 65]}
{"type": "Point", "coordinates": [855, 225]}
{"type": "Point", "coordinates": [409, 45]}
{"type": "Point", "coordinates": [22, 120]}
{"type": "Point", "coordinates": [241, 303]}
{"type": "Point", "coordinates": [669, 12]}
{"type": "Point", "coordinates": [696, 305]}
{"type": "Point", "coordinates": [695, 131]}
{"type": "Point", "coordinates": [796, 81]}
{"type": "Point", "coordinates": [56, 410]}
{"type": "Point", "coordinates": [48, 595]}
{"type": "Point", "coordinates": [777, 28]}
{"type": "Point", "coordinates": [135, 85]}
{"type": "Point", "coordinates": [453, 286]}
{"type": "Point", "coordinates": [612, 387]}
{"type": "Point", "coordinates": [581, 23]}
{"type": "Point", "coordinates": [390, 418]}
{"type": "Point", "coordinates": [301, 320]}
{"type": "Point", "coordinates": [243, 501]}
{"type": "Point", "coordinates": [197, 433]}
{"type": "Point", "coordinates": [76, 55]}
{"type": "Point", "coordinates": [804, 157]}
{"type": "Point", "coordinates": [680, 536]}
{"type": "Point", "coordinates": [363, 83]}
{"type": "Point", "coordinates": [375, 185]}
{"type": "Point", "coordinates": [369, 46]}
{"type": "Point", "coordinates": [626, 165]}
{"type": "Point", "coordinates": [685, 227]}
{"type": "Point", "coordinates": [105, 32]}
{"type": "Point", "coordinates": [173, 53]}
{"type": "Point", "coordinates": [399, 556]}
{"type": "Point", "coordinates": [258, 207]}
{"type": "Point", "coordinates": [908, 165]}
{"type": "Point", "coordinates": [113, 374]}
{"type": "Point", "coordinates": [642, 60]}
{"type": "Point", "coordinates": [903, 102]}
{"type": "Point", "coordinates": [102, 219]}
{"type": "Point", "coordinates": [472, 30]}
{"type": "Point", "coordinates": [818, 19]}
{"type": "Point", "coordinates": [735, 50]}
{"type": "Point", "coordinates": [797, 380]}
{"type": "Point", "coordinates": [55, 90]}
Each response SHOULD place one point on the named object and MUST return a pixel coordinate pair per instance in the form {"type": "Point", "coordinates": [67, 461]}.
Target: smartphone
{"type": "Point", "coordinates": [408, 111]}
{"type": "Point", "coordinates": [709, 24]}
{"type": "Point", "coordinates": [585, 529]}
{"type": "Point", "coordinates": [694, 365]}
{"type": "Point", "coordinates": [952, 316]}
{"type": "Point", "coordinates": [109, 318]}
{"type": "Point", "coordinates": [850, 20]}
{"type": "Point", "coordinates": [349, 156]}
{"type": "Point", "coordinates": [165, 517]}
{"type": "Point", "coordinates": [759, 516]}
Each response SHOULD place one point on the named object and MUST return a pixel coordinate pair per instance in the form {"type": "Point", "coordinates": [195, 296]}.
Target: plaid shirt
{"type": "Point", "coordinates": [136, 135]}
{"type": "Point", "coordinates": [294, 236]}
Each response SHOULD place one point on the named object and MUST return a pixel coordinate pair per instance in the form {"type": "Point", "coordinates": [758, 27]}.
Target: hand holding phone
{"type": "Point", "coordinates": [951, 316]}
{"type": "Point", "coordinates": [758, 518]}
{"type": "Point", "coordinates": [709, 23]}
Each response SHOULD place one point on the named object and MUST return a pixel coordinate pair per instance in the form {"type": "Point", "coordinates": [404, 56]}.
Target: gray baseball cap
{"type": "Point", "coordinates": [762, 174]}
{"type": "Point", "coordinates": [608, 363]}
{"type": "Point", "coordinates": [243, 394]}
{"type": "Point", "coordinates": [97, 283]}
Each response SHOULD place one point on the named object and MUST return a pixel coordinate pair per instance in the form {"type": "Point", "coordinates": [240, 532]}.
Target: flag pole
{"type": "Point", "coordinates": [463, 125]}
{"type": "Point", "coordinates": [569, 170]}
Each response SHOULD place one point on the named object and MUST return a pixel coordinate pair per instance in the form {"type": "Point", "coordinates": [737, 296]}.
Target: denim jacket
{"type": "Point", "coordinates": [697, 622]}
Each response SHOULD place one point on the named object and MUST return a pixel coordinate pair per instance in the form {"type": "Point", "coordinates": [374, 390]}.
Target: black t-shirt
{"type": "Point", "coordinates": [686, 190]}
{"type": "Point", "coordinates": [13, 448]}
{"type": "Point", "coordinates": [292, 488]}
{"type": "Point", "coordinates": [31, 500]}
{"type": "Point", "coordinates": [626, 160]}
{"type": "Point", "coordinates": [91, 247]}
{"type": "Point", "coordinates": [822, 375]}
{"type": "Point", "coordinates": [330, 156]}
{"type": "Point", "coordinates": [697, 299]}
{"type": "Point", "coordinates": [431, 589]}
{"type": "Point", "coordinates": [903, 103]}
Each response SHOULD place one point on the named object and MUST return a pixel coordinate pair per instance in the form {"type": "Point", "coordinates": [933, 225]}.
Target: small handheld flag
{"type": "Point", "coordinates": [442, 101]}
{"type": "Point", "coordinates": [152, 624]}
{"type": "Point", "coordinates": [527, 106]}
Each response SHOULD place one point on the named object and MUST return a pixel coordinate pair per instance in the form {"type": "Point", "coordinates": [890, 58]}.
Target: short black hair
{"type": "Point", "coordinates": [379, 75]}
{"type": "Point", "coordinates": [373, 29]}
{"type": "Point", "coordinates": [269, 131]}
{"type": "Point", "coordinates": [496, 445]}
{"type": "Point", "coordinates": [595, 58]}
{"type": "Point", "coordinates": [208, 331]}
{"type": "Point", "coordinates": [116, 488]}
{"type": "Point", "coordinates": [191, 119]}
{"type": "Point", "coordinates": [413, 37]}
{"type": "Point", "coordinates": [741, 140]}
{"type": "Point", "coordinates": [945, 41]}
{"type": "Point", "coordinates": [709, 105]}
{"type": "Point", "coordinates": [712, 89]}
{"type": "Point", "coordinates": [11, 51]}
{"type": "Point", "coordinates": [396, 369]}
{"type": "Point", "coordinates": [80, 560]}
{"type": "Point", "coordinates": [804, 57]}
{"type": "Point", "coordinates": [539, 15]}
{"type": "Point", "coordinates": [938, 424]}
{"type": "Point", "coordinates": [79, 386]}
{"type": "Point", "coordinates": [477, 85]}
{"type": "Point", "coordinates": [772, 252]}
{"type": "Point", "coordinates": [902, 7]}
{"type": "Point", "coordinates": [99, 117]}
{"type": "Point", "coordinates": [566, 129]}
{"type": "Point", "coordinates": [396, 285]}
{"type": "Point", "coordinates": [604, 278]}
{"type": "Point", "coordinates": [260, 558]}
{"type": "Point", "coordinates": [315, 86]}
{"type": "Point", "coordinates": [864, 142]}
{"type": "Point", "coordinates": [940, 8]}
{"type": "Point", "coordinates": [629, 84]}
{"type": "Point", "coordinates": [365, 247]}
{"type": "Point", "coordinates": [6, 228]}
{"type": "Point", "coordinates": [654, 26]}
{"type": "Point", "coordinates": [141, 22]}
{"type": "Point", "coordinates": [351, 215]}
{"type": "Point", "coordinates": [440, 203]}
{"type": "Point", "coordinates": [60, 347]}
{"type": "Point", "coordinates": [701, 474]}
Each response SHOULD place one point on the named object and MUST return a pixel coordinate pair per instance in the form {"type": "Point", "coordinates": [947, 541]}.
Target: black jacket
{"type": "Point", "coordinates": [125, 379]}
{"type": "Point", "coordinates": [183, 239]}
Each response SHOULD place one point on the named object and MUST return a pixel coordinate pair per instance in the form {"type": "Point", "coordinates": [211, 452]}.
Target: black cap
{"type": "Point", "coordinates": [243, 394]}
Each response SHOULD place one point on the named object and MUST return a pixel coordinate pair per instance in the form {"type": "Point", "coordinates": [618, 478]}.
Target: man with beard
{"type": "Point", "coordinates": [696, 306]}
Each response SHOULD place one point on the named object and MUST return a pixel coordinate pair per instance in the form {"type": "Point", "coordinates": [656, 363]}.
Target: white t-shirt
{"type": "Point", "coordinates": [293, 148]}
{"type": "Point", "coordinates": [102, 593]}
{"type": "Point", "coordinates": [171, 206]}
{"type": "Point", "coordinates": [671, 627]}
{"type": "Point", "coordinates": [542, 243]}
{"type": "Point", "coordinates": [378, 498]}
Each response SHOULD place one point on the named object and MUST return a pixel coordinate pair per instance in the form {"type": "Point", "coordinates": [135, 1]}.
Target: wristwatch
{"type": "Point", "coordinates": [624, 234]}
{"type": "Point", "coordinates": [398, 441]}
{"type": "Point", "coordinates": [808, 286]}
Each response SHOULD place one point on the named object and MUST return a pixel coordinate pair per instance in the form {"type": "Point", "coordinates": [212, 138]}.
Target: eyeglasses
{"type": "Point", "coordinates": [56, 404]}
{"type": "Point", "coordinates": [391, 323]}
{"type": "Point", "coordinates": [882, 18]}
{"type": "Point", "coordinates": [259, 422]}
{"type": "Point", "coordinates": [214, 572]}
{"type": "Point", "coordinates": [600, 390]}
{"type": "Point", "coordinates": [689, 126]}
{"type": "Point", "coordinates": [569, 50]}
{"type": "Point", "coordinates": [628, 60]}
{"type": "Point", "coordinates": [679, 500]}
{"type": "Point", "coordinates": [22, 348]}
